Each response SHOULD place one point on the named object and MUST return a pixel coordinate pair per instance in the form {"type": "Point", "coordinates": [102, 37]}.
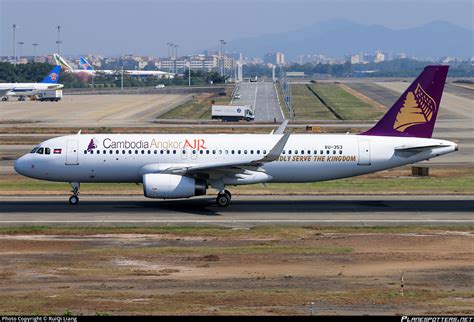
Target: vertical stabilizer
{"type": "Point", "coordinates": [414, 113]}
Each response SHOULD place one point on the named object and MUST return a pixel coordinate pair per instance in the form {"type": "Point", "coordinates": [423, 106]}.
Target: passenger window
{"type": "Point", "coordinates": [155, 152]}
{"type": "Point", "coordinates": [238, 152]}
{"type": "Point", "coordinates": [117, 151]}
{"type": "Point", "coordinates": [302, 151]}
{"type": "Point", "coordinates": [143, 151]}
{"type": "Point", "coordinates": [220, 151]}
{"type": "Point", "coordinates": [232, 152]}
{"type": "Point", "coordinates": [296, 151]}
{"type": "Point", "coordinates": [174, 151]}
{"type": "Point", "coordinates": [123, 152]}
{"type": "Point", "coordinates": [333, 151]}
{"type": "Point", "coordinates": [309, 151]}
{"type": "Point", "coordinates": [226, 151]}
{"type": "Point", "coordinates": [207, 151]}
{"type": "Point", "coordinates": [161, 151]}
{"type": "Point", "coordinates": [136, 151]}
{"type": "Point", "coordinates": [340, 151]}
{"type": "Point", "coordinates": [184, 151]}
{"type": "Point", "coordinates": [264, 151]}
{"type": "Point", "coordinates": [315, 151]}
{"type": "Point", "coordinates": [85, 152]}
{"type": "Point", "coordinates": [321, 151]}
{"type": "Point", "coordinates": [167, 151]}
{"type": "Point", "coordinates": [283, 152]}
{"type": "Point", "coordinates": [258, 151]}
{"type": "Point", "coordinates": [149, 151]}
{"type": "Point", "coordinates": [245, 151]}
{"type": "Point", "coordinates": [98, 151]}
{"type": "Point", "coordinates": [289, 151]}
{"type": "Point", "coordinates": [201, 151]}
{"type": "Point", "coordinates": [327, 151]}
{"type": "Point", "coordinates": [194, 151]}
{"type": "Point", "coordinates": [213, 151]}
{"type": "Point", "coordinates": [104, 152]}
{"type": "Point", "coordinates": [110, 152]}
{"type": "Point", "coordinates": [251, 151]}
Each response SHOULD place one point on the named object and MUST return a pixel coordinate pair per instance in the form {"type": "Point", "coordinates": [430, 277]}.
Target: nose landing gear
{"type": "Point", "coordinates": [74, 199]}
{"type": "Point", "coordinates": [223, 198]}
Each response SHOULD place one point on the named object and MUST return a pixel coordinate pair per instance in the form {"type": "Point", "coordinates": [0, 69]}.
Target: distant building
{"type": "Point", "coordinates": [379, 57]}
{"type": "Point", "coordinates": [274, 58]}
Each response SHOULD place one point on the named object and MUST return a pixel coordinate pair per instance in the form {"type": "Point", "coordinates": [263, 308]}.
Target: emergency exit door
{"type": "Point", "coordinates": [364, 153]}
{"type": "Point", "coordinates": [72, 152]}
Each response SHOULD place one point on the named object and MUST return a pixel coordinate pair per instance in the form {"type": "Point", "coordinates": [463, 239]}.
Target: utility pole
{"type": "Point", "coordinates": [14, 27]}
{"type": "Point", "coordinates": [121, 80]}
{"type": "Point", "coordinates": [169, 49]}
{"type": "Point", "coordinates": [19, 54]}
{"type": "Point", "coordinates": [34, 51]}
{"type": "Point", "coordinates": [221, 56]}
{"type": "Point", "coordinates": [189, 73]}
{"type": "Point", "coordinates": [59, 38]}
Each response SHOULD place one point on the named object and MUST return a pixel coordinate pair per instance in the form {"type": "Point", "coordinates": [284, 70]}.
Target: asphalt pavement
{"type": "Point", "coordinates": [262, 97]}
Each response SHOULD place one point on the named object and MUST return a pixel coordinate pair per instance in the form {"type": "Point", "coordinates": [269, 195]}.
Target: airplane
{"type": "Point", "coordinates": [87, 68]}
{"type": "Point", "coordinates": [185, 165]}
{"type": "Point", "coordinates": [50, 82]}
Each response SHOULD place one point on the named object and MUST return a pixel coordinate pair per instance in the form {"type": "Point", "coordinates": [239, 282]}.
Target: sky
{"type": "Point", "coordinates": [143, 27]}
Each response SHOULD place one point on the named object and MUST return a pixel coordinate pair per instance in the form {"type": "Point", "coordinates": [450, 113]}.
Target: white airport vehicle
{"type": "Point", "coordinates": [232, 112]}
{"type": "Point", "coordinates": [237, 96]}
{"type": "Point", "coordinates": [89, 69]}
{"type": "Point", "coordinates": [50, 95]}
{"type": "Point", "coordinates": [160, 86]}
{"type": "Point", "coordinates": [253, 79]}
{"type": "Point", "coordinates": [184, 165]}
{"type": "Point", "coordinates": [22, 90]}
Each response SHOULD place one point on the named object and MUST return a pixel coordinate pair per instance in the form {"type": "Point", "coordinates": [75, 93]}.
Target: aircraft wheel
{"type": "Point", "coordinates": [74, 200]}
{"type": "Point", "coordinates": [227, 192]}
{"type": "Point", "coordinates": [222, 200]}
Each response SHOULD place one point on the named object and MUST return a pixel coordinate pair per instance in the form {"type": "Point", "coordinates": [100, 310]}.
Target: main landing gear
{"type": "Point", "coordinates": [223, 198]}
{"type": "Point", "coordinates": [74, 199]}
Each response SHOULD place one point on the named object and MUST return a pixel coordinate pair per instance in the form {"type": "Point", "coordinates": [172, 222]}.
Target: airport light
{"type": "Point", "coordinates": [34, 50]}
{"type": "Point", "coordinates": [14, 27]}
{"type": "Point", "coordinates": [59, 42]}
{"type": "Point", "coordinates": [19, 54]}
{"type": "Point", "coordinates": [169, 49]}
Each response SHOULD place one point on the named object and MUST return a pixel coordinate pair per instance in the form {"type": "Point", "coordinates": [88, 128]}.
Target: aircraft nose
{"type": "Point", "coordinates": [20, 165]}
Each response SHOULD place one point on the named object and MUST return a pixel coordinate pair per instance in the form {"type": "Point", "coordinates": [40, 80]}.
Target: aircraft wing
{"type": "Point", "coordinates": [230, 167]}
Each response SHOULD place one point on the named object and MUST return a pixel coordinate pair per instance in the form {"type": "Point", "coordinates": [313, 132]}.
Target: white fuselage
{"type": "Point", "coordinates": [305, 158]}
{"type": "Point", "coordinates": [17, 89]}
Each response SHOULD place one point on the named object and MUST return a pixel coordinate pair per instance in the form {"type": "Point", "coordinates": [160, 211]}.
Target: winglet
{"type": "Point", "coordinates": [79, 133]}
{"type": "Point", "coordinates": [275, 152]}
{"type": "Point", "coordinates": [281, 128]}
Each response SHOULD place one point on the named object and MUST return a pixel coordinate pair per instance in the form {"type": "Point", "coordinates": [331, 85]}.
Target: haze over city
{"type": "Point", "coordinates": [144, 27]}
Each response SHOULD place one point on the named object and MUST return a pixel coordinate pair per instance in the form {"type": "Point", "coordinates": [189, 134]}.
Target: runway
{"type": "Point", "coordinates": [263, 98]}
{"type": "Point", "coordinates": [244, 211]}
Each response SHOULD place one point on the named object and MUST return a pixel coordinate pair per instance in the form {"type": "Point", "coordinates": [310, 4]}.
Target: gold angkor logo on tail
{"type": "Point", "coordinates": [418, 108]}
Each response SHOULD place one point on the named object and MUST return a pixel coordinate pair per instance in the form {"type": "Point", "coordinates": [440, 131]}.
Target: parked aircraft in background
{"type": "Point", "coordinates": [50, 82]}
{"type": "Point", "coordinates": [87, 68]}
{"type": "Point", "coordinates": [185, 165]}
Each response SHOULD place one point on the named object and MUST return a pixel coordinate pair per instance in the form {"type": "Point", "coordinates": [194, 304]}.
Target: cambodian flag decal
{"type": "Point", "coordinates": [57, 151]}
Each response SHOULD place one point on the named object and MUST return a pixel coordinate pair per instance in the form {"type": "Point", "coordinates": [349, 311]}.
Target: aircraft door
{"type": "Point", "coordinates": [72, 152]}
{"type": "Point", "coordinates": [364, 153]}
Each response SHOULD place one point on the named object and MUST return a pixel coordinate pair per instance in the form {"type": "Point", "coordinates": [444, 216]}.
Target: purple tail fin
{"type": "Point", "coordinates": [414, 113]}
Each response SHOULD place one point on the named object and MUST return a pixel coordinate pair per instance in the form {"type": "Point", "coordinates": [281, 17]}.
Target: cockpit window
{"type": "Point", "coordinates": [34, 149]}
{"type": "Point", "coordinates": [40, 151]}
{"type": "Point", "coordinates": [47, 151]}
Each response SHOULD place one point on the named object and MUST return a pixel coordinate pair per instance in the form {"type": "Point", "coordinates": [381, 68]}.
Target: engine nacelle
{"type": "Point", "coordinates": [167, 186]}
